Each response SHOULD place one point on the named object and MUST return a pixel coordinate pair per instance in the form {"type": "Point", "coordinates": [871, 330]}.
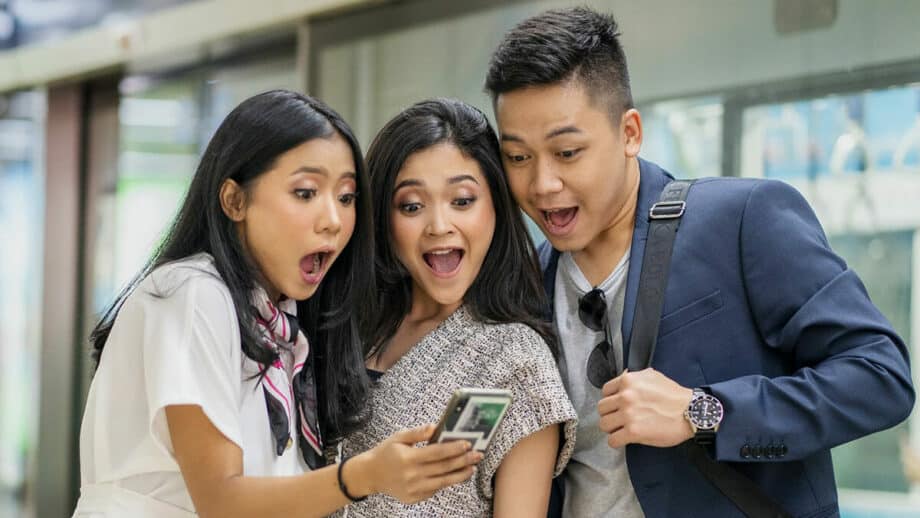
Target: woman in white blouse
{"type": "Point", "coordinates": [209, 399]}
{"type": "Point", "coordinates": [461, 305]}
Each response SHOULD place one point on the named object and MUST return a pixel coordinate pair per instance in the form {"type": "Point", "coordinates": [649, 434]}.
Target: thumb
{"type": "Point", "coordinates": [414, 435]}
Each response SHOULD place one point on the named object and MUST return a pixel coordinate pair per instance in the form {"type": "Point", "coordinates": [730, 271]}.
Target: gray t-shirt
{"type": "Point", "coordinates": [596, 480]}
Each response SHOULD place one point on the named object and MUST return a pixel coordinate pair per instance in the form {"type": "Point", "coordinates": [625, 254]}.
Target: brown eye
{"type": "Point", "coordinates": [516, 158]}
{"type": "Point", "coordinates": [569, 153]}
{"type": "Point", "coordinates": [305, 194]}
{"type": "Point", "coordinates": [410, 208]}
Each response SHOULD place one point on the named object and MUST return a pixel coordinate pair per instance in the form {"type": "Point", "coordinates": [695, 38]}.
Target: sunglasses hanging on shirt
{"type": "Point", "coordinates": [602, 363]}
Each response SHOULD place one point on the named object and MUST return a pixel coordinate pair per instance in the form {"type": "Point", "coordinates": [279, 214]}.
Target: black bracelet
{"type": "Point", "coordinates": [342, 483]}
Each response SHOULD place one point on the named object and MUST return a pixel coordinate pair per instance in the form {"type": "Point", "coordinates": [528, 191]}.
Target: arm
{"type": "Point", "coordinates": [212, 467]}
{"type": "Point", "coordinates": [523, 480]}
{"type": "Point", "coordinates": [851, 373]}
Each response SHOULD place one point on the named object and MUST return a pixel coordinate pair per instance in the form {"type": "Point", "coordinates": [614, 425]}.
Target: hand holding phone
{"type": "Point", "coordinates": [473, 415]}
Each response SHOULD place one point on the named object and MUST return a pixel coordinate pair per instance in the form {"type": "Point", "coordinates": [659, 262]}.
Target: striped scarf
{"type": "Point", "coordinates": [284, 395]}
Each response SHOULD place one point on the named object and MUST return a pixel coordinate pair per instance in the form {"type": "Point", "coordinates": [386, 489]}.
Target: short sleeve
{"type": "Point", "coordinates": [539, 400]}
{"type": "Point", "coordinates": [192, 356]}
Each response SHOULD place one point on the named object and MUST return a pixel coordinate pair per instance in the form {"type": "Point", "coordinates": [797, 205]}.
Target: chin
{"type": "Point", "coordinates": [448, 297]}
{"type": "Point", "coordinates": [301, 293]}
{"type": "Point", "coordinates": [565, 244]}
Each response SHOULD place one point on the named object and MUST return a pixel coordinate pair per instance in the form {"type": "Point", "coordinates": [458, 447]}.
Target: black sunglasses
{"type": "Point", "coordinates": [602, 363]}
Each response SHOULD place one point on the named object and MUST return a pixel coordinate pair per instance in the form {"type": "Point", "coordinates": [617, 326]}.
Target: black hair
{"type": "Point", "coordinates": [508, 287]}
{"type": "Point", "coordinates": [562, 44]}
{"type": "Point", "coordinates": [246, 145]}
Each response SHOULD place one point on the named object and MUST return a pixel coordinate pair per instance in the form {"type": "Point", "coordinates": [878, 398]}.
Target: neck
{"type": "Point", "coordinates": [602, 254]}
{"type": "Point", "coordinates": [426, 309]}
{"type": "Point", "coordinates": [424, 316]}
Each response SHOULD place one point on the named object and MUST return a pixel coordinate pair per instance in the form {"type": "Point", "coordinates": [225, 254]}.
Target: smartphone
{"type": "Point", "coordinates": [473, 414]}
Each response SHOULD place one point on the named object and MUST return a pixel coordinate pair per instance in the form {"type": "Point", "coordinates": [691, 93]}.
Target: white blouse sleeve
{"type": "Point", "coordinates": [192, 356]}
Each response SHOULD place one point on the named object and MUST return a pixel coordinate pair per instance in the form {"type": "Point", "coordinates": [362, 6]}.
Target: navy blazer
{"type": "Point", "coordinates": [761, 311]}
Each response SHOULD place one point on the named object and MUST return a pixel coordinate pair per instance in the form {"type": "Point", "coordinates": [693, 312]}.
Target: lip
{"type": "Point", "coordinates": [444, 275]}
{"type": "Point", "coordinates": [315, 277]}
{"type": "Point", "coordinates": [558, 230]}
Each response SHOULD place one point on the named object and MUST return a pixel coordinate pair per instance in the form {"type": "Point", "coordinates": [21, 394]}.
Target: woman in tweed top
{"type": "Point", "coordinates": [461, 301]}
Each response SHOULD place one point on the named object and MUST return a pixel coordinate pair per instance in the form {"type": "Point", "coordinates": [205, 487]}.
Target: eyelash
{"type": "Point", "coordinates": [516, 159]}
{"type": "Point", "coordinates": [305, 194]}
{"type": "Point", "coordinates": [413, 207]}
{"type": "Point", "coordinates": [572, 153]}
{"type": "Point", "coordinates": [404, 208]}
{"type": "Point", "coordinates": [566, 154]}
{"type": "Point", "coordinates": [308, 194]}
{"type": "Point", "coordinates": [466, 202]}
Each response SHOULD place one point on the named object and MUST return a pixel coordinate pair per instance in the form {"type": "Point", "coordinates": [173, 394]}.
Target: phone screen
{"type": "Point", "coordinates": [474, 416]}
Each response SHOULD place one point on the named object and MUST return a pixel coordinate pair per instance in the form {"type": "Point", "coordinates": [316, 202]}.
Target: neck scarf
{"type": "Point", "coordinates": [290, 400]}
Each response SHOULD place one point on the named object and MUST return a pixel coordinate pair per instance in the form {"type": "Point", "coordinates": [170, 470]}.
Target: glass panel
{"type": "Point", "coordinates": [158, 146]}
{"type": "Point", "coordinates": [21, 230]}
{"type": "Point", "coordinates": [684, 136]}
{"type": "Point", "coordinates": [856, 158]}
{"type": "Point", "coordinates": [25, 22]}
{"type": "Point", "coordinates": [165, 125]}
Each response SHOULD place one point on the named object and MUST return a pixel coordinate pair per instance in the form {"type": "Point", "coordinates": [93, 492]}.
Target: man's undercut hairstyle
{"type": "Point", "coordinates": [559, 45]}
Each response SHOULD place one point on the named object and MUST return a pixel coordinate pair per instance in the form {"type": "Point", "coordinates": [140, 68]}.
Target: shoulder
{"type": "Point", "coordinates": [194, 276]}
{"type": "Point", "coordinates": [184, 291]}
{"type": "Point", "coordinates": [740, 190]}
{"type": "Point", "coordinates": [519, 346]}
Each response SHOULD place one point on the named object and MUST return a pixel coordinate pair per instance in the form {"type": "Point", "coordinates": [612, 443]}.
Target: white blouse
{"type": "Point", "coordinates": [176, 341]}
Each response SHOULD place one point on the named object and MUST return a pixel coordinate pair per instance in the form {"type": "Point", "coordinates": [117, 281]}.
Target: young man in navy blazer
{"type": "Point", "coordinates": [764, 327]}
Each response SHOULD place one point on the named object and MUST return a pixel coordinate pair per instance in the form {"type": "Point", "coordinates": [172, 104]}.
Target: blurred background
{"type": "Point", "coordinates": [106, 105]}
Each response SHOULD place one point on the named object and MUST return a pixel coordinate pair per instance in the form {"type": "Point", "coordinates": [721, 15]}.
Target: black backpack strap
{"type": "Point", "coordinates": [664, 219]}
{"type": "Point", "coordinates": [735, 485]}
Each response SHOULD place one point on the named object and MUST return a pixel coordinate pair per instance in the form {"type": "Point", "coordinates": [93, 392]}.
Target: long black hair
{"type": "Point", "coordinates": [246, 145]}
{"type": "Point", "coordinates": [508, 287]}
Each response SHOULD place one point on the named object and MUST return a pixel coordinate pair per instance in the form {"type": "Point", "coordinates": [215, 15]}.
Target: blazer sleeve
{"type": "Point", "coordinates": [850, 372]}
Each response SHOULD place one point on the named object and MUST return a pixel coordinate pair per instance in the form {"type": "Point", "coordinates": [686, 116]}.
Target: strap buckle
{"type": "Point", "coordinates": [667, 210]}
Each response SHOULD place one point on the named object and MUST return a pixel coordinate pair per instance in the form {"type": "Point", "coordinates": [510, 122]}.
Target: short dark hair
{"type": "Point", "coordinates": [508, 288]}
{"type": "Point", "coordinates": [561, 44]}
{"type": "Point", "coordinates": [246, 145]}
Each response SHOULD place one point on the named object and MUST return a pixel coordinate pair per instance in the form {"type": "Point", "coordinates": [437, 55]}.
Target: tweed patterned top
{"type": "Point", "coordinates": [463, 352]}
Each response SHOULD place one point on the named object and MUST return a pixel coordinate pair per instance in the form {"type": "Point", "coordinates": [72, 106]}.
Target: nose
{"type": "Point", "coordinates": [546, 181]}
{"type": "Point", "coordinates": [438, 223]}
{"type": "Point", "coordinates": [329, 221]}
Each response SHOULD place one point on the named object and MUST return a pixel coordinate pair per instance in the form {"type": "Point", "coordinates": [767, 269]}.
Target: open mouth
{"type": "Point", "coordinates": [313, 266]}
{"type": "Point", "coordinates": [559, 222]}
{"type": "Point", "coordinates": [444, 262]}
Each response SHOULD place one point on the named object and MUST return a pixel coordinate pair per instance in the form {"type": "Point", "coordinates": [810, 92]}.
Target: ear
{"type": "Point", "coordinates": [631, 124]}
{"type": "Point", "coordinates": [233, 200]}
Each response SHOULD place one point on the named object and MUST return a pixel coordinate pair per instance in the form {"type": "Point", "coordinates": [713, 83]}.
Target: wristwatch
{"type": "Point", "coordinates": [704, 415]}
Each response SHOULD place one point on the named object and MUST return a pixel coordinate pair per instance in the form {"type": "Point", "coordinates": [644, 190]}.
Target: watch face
{"type": "Point", "coordinates": [706, 412]}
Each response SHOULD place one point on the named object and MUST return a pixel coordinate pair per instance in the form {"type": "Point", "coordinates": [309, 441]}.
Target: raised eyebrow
{"type": "Point", "coordinates": [461, 178]}
{"type": "Point", "coordinates": [411, 182]}
{"type": "Point", "coordinates": [562, 131]}
{"type": "Point", "coordinates": [310, 170]}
